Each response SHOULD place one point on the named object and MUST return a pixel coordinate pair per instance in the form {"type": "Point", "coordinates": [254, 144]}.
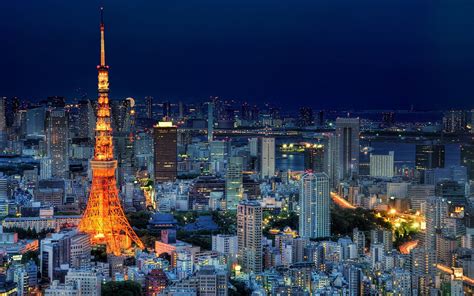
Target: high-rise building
{"type": "Point", "coordinates": [452, 173]}
{"type": "Point", "coordinates": [225, 244]}
{"type": "Point", "coordinates": [347, 133]}
{"type": "Point", "coordinates": [454, 192]}
{"type": "Point", "coordinates": [314, 206]}
{"type": "Point", "coordinates": [57, 142]}
{"type": "Point", "coordinates": [331, 157]}
{"type": "Point", "coordinates": [233, 182]}
{"type": "Point", "coordinates": [429, 157]}
{"type": "Point", "coordinates": [418, 193]}
{"type": "Point", "coordinates": [35, 121]}
{"type": "Point", "coordinates": [155, 282]}
{"type": "Point", "coordinates": [382, 236]}
{"type": "Point", "coordinates": [467, 159]}
{"type": "Point", "coordinates": [86, 119]}
{"type": "Point", "coordinates": [306, 117]}
{"type": "Point", "coordinates": [388, 119]}
{"type": "Point", "coordinates": [210, 122]}
{"type": "Point", "coordinates": [165, 147]}
{"type": "Point", "coordinates": [436, 213]}
{"type": "Point", "coordinates": [382, 166]}
{"type": "Point", "coordinates": [454, 121]}
{"type": "Point", "coordinates": [149, 107]}
{"type": "Point", "coordinates": [3, 196]}
{"type": "Point", "coordinates": [3, 123]}
{"type": "Point", "coordinates": [267, 157]}
{"type": "Point", "coordinates": [88, 281]}
{"type": "Point", "coordinates": [249, 236]}
{"type": "Point", "coordinates": [314, 159]}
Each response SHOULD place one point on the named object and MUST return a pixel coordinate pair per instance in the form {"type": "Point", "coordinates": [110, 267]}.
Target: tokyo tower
{"type": "Point", "coordinates": [104, 218]}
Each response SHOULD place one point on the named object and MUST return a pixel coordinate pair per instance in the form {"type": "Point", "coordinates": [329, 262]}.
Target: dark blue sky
{"type": "Point", "coordinates": [323, 53]}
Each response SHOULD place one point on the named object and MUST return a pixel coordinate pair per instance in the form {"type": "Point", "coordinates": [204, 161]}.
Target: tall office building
{"type": "Point", "coordinates": [382, 236]}
{"type": "Point", "coordinates": [331, 157]}
{"type": "Point", "coordinates": [267, 157]}
{"type": "Point", "coordinates": [210, 122]}
{"type": "Point", "coordinates": [382, 166]}
{"type": "Point", "coordinates": [429, 157]}
{"type": "Point", "coordinates": [57, 142]}
{"type": "Point", "coordinates": [436, 213]}
{"type": "Point", "coordinates": [314, 159]}
{"type": "Point", "coordinates": [454, 121]}
{"type": "Point", "coordinates": [3, 196]}
{"type": "Point", "coordinates": [418, 194]}
{"type": "Point", "coordinates": [347, 132]}
{"type": "Point", "coordinates": [165, 150]}
{"type": "Point", "coordinates": [3, 123]}
{"type": "Point", "coordinates": [233, 182]}
{"type": "Point", "coordinates": [467, 159]}
{"type": "Point", "coordinates": [155, 282]}
{"type": "Point", "coordinates": [454, 192]}
{"type": "Point", "coordinates": [86, 119]}
{"type": "Point", "coordinates": [149, 107]}
{"type": "Point", "coordinates": [306, 117]}
{"type": "Point", "coordinates": [249, 236]}
{"type": "Point", "coordinates": [314, 215]}
{"type": "Point", "coordinates": [35, 121]}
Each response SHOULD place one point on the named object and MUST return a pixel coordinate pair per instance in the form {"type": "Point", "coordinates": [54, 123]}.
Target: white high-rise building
{"type": "Point", "coordinates": [314, 206]}
{"type": "Point", "coordinates": [225, 244]}
{"type": "Point", "coordinates": [436, 213]}
{"type": "Point", "coordinates": [3, 196]}
{"type": "Point", "coordinates": [382, 166]}
{"type": "Point", "coordinates": [249, 236]}
{"type": "Point", "coordinates": [267, 157]}
{"type": "Point", "coordinates": [88, 281]}
{"type": "Point", "coordinates": [58, 289]}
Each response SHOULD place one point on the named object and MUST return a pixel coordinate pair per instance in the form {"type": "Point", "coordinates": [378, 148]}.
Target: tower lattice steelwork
{"type": "Point", "coordinates": [104, 218]}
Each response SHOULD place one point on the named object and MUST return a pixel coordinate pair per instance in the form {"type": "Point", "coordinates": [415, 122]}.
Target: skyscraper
{"type": "Point", "coordinates": [314, 206]}
{"type": "Point", "coordinates": [429, 157]}
{"type": "Point", "coordinates": [267, 157]}
{"type": "Point", "coordinates": [467, 159]}
{"type": "Point", "coordinates": [314, 159]}
{"type": "Point", "coordinates": [210, 121]}
{"type": "Point", "coordinates": [306, 117]}
{"type": "Point", "coordinates": [86, 119]}
{"type": "Point", "coordinates": [249, 236]}
{"type": "Point", "coordinates": [436, 213]}
{"type": "Point", "coordinates": [149, 107]}
{"type": "Point", "coordinates": [166, 151]}
{"type": "Point", "coordinates": [454, 121]}
{"type": "Point", "coordinates": [233, 182]}
{"type": "Point", "coordinates": [57, 142]}
{"type": "Point", "coordinates": [347, 133]}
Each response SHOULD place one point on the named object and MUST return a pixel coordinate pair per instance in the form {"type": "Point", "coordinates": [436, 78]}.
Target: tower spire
{"type": "Point", "coordinates": [102, 38]}
{"type": "Point", "coordinates": [104, 218]}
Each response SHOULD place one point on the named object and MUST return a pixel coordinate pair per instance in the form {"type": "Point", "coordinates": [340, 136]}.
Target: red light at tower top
{"type": "Point", "coordinates": [104, 218]}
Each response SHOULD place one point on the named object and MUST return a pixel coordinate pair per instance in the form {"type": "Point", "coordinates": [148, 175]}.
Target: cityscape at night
{"type": "Point", "coordinates": [250, 148]}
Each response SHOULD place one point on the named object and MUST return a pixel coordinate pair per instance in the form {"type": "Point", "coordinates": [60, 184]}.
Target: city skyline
{"type": "Point", "coordinates": [217, 197]}
{"type": "Point", "coordinates": [326, 60]}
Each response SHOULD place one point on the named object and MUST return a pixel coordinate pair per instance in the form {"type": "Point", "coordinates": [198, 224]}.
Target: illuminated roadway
{"type": "Point", "coordinates": [404, 248]}
{"type": "Point", "coordinates": [449, 270]}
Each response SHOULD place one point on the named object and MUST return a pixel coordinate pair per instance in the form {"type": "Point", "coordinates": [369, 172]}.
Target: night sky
{"type": "Point", "coordinates": [322, 53]}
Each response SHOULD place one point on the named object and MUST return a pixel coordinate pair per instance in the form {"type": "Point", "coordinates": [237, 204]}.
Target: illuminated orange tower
{"type": "Point", "coordinates": [104, 218]}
